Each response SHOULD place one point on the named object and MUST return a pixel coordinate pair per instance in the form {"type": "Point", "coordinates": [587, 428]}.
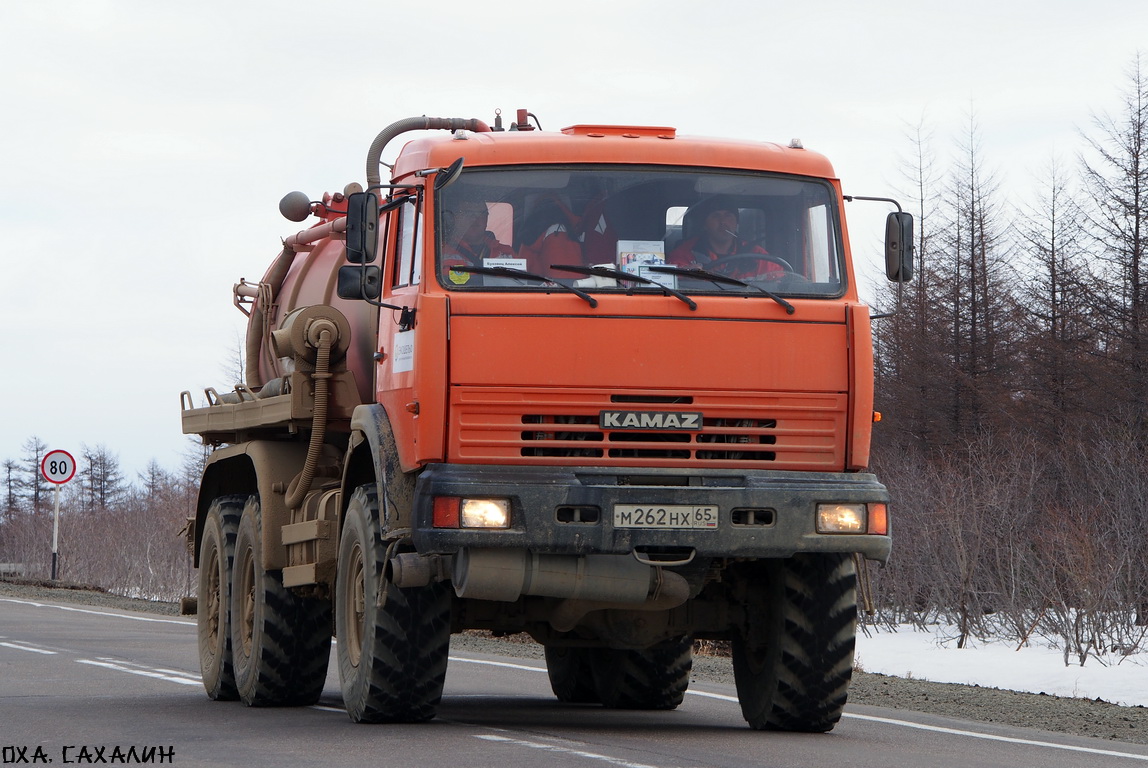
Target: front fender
{"type": "Point", "coordinates": [373, 457]}
{"type": "Point", "coordinates": [261, 467]}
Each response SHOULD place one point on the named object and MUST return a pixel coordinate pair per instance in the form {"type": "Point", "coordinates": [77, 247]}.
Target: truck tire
{"type": "Point", "coordinates": [393, 647]}
{"type": "Point", "coordinates": [652, 678]}
{"type": "Point", "coordinates": [793, 663]}
{"type": "Point", "coordinates": [213, 611]}
{"type": "Point", "coordinates": [571, 674]}
{"type": "Point", "coordinates": [281, 643]}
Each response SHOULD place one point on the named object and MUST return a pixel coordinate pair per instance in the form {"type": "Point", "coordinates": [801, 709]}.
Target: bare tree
{"type": "Point", "coordinates": [982, 326]}
{"type": "Point", "coordinates": [1060, 299]}
{"type": "Point", "coordinates": [11, 488]}
{"type": "Point", "coordinates": [234, 369]}
{"type": "Point", "coordinates": [1116, 179]}
{"type": "Point", "coordinates": [910, 367]}
{"type": "Point", "coordinates": [101, 478]}
{"type": "Point", "coordinates": [33, 487]}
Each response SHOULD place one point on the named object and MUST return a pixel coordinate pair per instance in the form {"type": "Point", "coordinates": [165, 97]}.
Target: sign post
{"type": "Point", "coordinates": [57, 468]}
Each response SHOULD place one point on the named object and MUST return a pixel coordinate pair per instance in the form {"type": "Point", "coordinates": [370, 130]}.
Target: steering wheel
{"type": "Point", "coordinates": [723, 261]}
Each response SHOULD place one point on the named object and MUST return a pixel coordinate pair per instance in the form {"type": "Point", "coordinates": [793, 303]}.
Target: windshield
{"type": "Point", "coordinates": [604, 229]}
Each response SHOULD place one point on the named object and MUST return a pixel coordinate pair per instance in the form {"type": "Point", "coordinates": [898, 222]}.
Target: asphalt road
{"type": "Point", "coordinates": [85, 685]}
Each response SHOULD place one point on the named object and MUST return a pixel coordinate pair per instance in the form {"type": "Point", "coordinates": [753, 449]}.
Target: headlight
{"type": "Point", "coordinates": [455, 512]}
{"type": "Point", "coordinates": [484, 513]}
{"type": "Point", "coordinates": [841, 518]}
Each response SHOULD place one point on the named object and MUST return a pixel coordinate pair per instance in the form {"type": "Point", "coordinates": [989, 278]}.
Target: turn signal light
{"type": "Point", "coordinates": [446, 511]}
{"type": "Point", "coordinates": [879, 519]}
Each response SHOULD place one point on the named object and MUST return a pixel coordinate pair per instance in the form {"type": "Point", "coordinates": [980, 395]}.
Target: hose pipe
{"type": "Point", "coordinates": [301, 485]}
{"type": "Point", "coordinates": [424, 123]}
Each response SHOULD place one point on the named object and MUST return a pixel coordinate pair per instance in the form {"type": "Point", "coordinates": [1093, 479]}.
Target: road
{"type": "Point", "coordinates": [83, 685]}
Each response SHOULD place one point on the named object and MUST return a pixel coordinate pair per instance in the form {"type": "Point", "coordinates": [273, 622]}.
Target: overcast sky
{"type": "Point", "coordinates": [145, 144]}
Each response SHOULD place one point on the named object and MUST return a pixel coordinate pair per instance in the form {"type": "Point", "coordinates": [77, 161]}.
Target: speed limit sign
{"type": "Point", "coordinates": [58, 467]}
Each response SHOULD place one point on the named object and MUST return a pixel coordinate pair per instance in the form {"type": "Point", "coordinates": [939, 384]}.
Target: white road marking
{"type": "Point", "coordinates": [885, 720]}
{"type": "Point", "coordinates": [99, 613]}
{"type": "Point", "coordinates": [564, 750]}
{"type": "Point", "coordinates": [719, 696]}
{"type": "Point", "coordinates": [143, 671]}
{"type": "Point", "coordinates": [178, 677]}
{"type": "Point", "coordinates": [193, 676]}
{"type": "Point", "coordinates": [991, 737]}
{"type": "Point", "coordinates": [497, 664]}
{"type": "Point", "coordinates": [21, 647]}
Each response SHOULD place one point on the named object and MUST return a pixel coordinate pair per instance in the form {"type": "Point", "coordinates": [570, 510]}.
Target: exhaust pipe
{"type": "Point", "coordinates": [583, 583]}
{"type": "Point", "coordinates": [507, 574]}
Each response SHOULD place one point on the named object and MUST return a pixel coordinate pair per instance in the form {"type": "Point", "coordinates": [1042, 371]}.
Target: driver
{"type": "Point", "coordinates": [719, 238]}
{"type": "Point", "coordinates": [468, 238]}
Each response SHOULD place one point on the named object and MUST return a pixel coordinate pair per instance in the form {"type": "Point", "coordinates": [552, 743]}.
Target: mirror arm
{"type": "Point", "coordinates": [851, 198]}
{"type": "Point", "coordinates": [391, 186]}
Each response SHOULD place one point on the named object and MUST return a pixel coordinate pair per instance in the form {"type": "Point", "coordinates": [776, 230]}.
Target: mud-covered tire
{"type": "Point", "coordinates": [652, 678]}
{"type": "Point", "coordinates": [392, 651]}
{"type": "Point", "coordinates": [213, 605]}
{"type": "Point", "coordinates": [793, 663]}
{"type": "Point", "coordinates": [571, 674]}
{"type": "Point", "coordinates": [281, 643]}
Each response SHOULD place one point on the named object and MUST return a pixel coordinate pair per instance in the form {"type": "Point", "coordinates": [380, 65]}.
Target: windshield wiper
{"type": "Point", "coordinates": [714, 277]}
{"type": "Point", "coordinates": [618, 274]}
{"type": "Point", "coordinates": [511, 272]}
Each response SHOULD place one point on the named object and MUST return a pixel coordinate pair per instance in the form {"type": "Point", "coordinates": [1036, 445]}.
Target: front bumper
{"type": "Point", "coordinates": [761, 513]}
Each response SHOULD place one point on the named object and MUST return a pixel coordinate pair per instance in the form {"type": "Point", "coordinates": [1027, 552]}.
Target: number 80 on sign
{"type": "Point", "coordinates": [58, 467]}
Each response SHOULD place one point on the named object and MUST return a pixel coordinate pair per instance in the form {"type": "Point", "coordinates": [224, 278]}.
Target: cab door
{"type": "Point", "coordinates": [398, 328]}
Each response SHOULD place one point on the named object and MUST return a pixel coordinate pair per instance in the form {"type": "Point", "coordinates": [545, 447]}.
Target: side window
{"type": "Point", "coordinates": [500, 221]}
{"type": "Point", "coordinates": [821, 245]}
{"type": "Point", "coordinates": [416, 221]}
{"type": "Point", "coordinates": [408, 265]}
{"type": "Point", "coordinates": [674, 236]}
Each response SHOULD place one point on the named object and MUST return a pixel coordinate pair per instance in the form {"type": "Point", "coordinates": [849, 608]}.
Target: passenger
{"type": "Point", "coordinates": [556, 235]}
{"type": "Point", "coordinates": [552, 235]}
{"type": "Point", "coordinates": [719, 237]}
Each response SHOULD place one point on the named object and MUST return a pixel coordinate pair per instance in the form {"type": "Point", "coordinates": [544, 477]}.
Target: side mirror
{"type": "Point", "coordinates": [359, 281]}
{"type": "Point", "coordinates": [899, 247]}
{"type": "Point", "coordinates": [448, 174]}
{"type": "Point", "coordinates": [362, 228]}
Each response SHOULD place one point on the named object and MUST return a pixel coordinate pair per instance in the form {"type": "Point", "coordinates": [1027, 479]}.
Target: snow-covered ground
{"type": "Point", "coordinates": [1034, 669]}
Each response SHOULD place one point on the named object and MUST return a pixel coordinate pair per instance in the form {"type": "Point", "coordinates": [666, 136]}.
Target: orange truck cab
{"type": "Point", "coordinates": [531, 383]}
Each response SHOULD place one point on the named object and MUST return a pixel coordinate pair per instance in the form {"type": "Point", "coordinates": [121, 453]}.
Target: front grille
{"type": "Point", "coordinates": [739, 439]}
{"type": "Point", "coordinates": [797, 431]}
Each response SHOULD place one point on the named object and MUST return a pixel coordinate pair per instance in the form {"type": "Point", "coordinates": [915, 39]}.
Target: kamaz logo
{"type": "Point", "coordinates": [649, 420]}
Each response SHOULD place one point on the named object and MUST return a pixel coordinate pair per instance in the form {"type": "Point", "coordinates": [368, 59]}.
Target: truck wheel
{"type": "Point", "coordinates": [213, 612]}
{"type": "Point", "coordinates": [653, 678]}
{"type": "Point", "coordinates": [793, 662]}
{"type": "Point", "coordinates": [392, 647]}
{"type": "Point", "coordinates": [571, 674]}
{"type": "Point", "coordinates": [281, 643]}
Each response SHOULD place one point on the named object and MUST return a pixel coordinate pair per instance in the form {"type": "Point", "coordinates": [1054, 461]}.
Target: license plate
{"type": "Point", "coordinates": [680, 516]}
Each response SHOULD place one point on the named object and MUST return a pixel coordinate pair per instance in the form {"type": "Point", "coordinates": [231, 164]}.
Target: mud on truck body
{"type": "Point", "coordinates": [558, 431]}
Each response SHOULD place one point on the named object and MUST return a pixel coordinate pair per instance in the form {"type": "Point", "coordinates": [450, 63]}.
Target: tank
{"type": "Point", "coordinates": [305, 274]}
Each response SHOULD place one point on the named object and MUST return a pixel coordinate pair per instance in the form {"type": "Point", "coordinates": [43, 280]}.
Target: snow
{"type": "Point", "coordinates": [1036, 668]}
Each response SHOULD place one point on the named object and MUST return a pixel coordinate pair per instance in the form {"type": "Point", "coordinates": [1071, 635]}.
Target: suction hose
{"type": "Point", "coordinates": [301, 485]}
{"type": "Point", "coordinates": [424, 123]}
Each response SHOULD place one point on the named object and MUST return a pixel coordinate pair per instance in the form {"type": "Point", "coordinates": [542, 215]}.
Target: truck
{"type": "Point", "coordinates": [485, 390]}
